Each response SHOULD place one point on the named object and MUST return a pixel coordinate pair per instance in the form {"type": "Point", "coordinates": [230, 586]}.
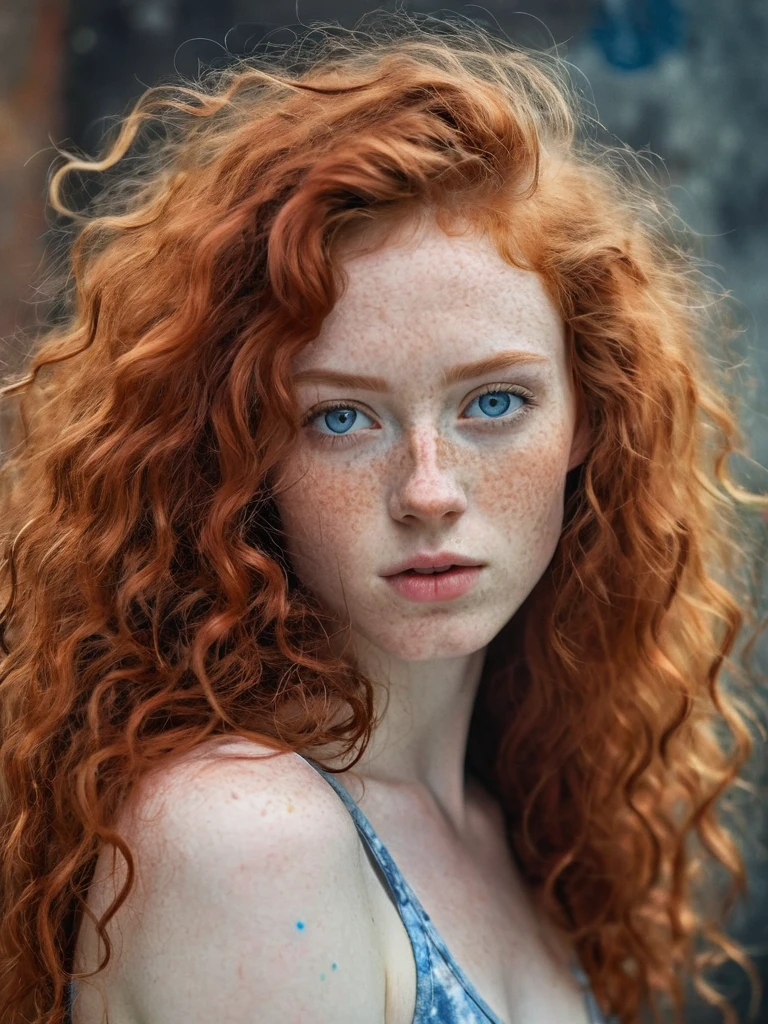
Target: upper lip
{"type": "Point", "coordinates": [427, 560]}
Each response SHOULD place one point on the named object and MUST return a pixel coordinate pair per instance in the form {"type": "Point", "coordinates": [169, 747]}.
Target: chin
{"type": "Point", "coordinates": [429, 641]}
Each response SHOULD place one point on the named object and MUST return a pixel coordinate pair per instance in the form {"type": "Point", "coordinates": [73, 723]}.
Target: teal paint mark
{"type": "Point", "coordinates": [334, 966]}
{"type": "Point", "coordinates": [300, 925]}
{"type": "Point", "coordinates": [322, 977]}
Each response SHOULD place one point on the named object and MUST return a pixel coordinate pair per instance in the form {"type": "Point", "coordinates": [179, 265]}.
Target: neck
{"type": "Point", "coordinates": [421, 737]}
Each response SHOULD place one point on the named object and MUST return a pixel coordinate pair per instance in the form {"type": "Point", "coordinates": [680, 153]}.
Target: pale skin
{"type": "Point", "coordinates": [229, 859]}
{"type": "Point", "coordinates": [423, 467]}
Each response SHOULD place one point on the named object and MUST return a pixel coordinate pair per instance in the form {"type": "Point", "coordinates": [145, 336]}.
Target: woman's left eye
{"type": "Point", "coordinates": [497, 402]}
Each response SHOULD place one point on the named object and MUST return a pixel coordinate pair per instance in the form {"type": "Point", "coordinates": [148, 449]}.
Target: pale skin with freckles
{"type": "Point", "coordinates": [422, 467]}
{"type": "Point", "coordinates": [234, 856]}
{"type": "Point", "coordinates": [426, 467]}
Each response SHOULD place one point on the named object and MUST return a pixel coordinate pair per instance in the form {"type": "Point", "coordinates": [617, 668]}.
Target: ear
{"type": "Point", "coordinates": [582, 440]}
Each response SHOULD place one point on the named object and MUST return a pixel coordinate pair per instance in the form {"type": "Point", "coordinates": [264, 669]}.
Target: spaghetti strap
{"type": "Point", "coordinates": [444, 993]}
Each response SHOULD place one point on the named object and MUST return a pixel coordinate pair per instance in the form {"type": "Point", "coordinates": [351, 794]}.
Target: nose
{"type": "Point", "coordinates": [427, 486]}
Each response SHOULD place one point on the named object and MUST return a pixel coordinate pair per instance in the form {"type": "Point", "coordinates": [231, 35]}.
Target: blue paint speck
{"type": "Point", "coordinates": [334, 966]}
{"type": "Point", "coordinates": [299, 925]}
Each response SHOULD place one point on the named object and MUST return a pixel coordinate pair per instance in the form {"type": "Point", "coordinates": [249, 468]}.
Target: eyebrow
{"type": "Point", "coordinates": [464, 371]}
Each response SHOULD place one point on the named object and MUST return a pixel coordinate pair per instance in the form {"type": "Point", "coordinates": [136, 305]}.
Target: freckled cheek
{"type": "Point", "coordinates": [323, 513]}
{"type": "Point", "coordinates": [522, 493]}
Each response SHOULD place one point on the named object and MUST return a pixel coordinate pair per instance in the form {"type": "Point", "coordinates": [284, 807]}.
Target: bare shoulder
{"type": "Point", "coordinates": [239, 785]}
{"type": "Point", "coordinates": [248, 887]}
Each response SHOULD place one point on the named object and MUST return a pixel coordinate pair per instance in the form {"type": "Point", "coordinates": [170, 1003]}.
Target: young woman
{"type": "Point", "coordinates": [366, 579]}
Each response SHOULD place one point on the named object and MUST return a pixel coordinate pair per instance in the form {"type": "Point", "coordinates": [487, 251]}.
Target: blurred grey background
{"type": "Point", "coordinates": [684, 80]}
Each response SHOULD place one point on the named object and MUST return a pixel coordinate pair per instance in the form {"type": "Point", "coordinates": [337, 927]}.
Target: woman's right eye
{"type": "Point", "coordinates": [337, 420]}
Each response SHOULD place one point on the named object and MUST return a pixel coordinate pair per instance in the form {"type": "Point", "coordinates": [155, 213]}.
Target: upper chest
{"type": "Point", "coordinates": [478, 904]}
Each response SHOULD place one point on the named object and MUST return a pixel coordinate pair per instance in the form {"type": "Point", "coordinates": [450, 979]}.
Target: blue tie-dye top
{"type": "Point", "coordinates": [444, 994]}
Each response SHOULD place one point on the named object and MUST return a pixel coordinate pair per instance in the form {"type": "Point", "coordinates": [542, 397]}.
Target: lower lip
{"type": "Point", "coordinates": [439, 586]}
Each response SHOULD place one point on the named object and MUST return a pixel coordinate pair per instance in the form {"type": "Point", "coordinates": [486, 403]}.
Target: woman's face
{"type": "Point", "coordinates": [433, 454]}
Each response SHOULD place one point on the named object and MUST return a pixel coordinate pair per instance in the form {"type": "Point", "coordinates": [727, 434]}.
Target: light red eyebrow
{"type": "Point", "coordinates": [464, 371]}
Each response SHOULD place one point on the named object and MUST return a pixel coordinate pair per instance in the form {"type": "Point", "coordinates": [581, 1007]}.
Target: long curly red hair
{"type": "Point", "coordinates": [148, 604]}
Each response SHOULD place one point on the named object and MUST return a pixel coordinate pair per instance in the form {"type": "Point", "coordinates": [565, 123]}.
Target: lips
{"type": "Point", "coordinates": [439, 560]}
{"type": "Point", "coordinates": [431, 572]}
{"type": "Point", "coordinates": [427, 588]}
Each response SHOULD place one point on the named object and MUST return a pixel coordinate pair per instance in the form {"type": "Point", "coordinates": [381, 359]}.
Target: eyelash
{"type": "Point", "coordinates": [343, 439]}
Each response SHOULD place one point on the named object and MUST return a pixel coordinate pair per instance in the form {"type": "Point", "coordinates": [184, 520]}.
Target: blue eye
{"type": "Point", "coordinates": [495, 403]}
{"type": "Point", "coordinates": [340, 419]}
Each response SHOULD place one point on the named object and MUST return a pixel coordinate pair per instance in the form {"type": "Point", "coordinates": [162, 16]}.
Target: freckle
{"type": "Point", "coordinates": [235, 796]}
{"type": "Point", "coordinates": [300, 925]}
{"type": "Point", "coordinates": [291, 807]}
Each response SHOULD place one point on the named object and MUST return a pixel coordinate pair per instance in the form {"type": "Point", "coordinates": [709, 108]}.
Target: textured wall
{"type": "Point", "coordinates": [686, 81]}
{"type": "Point", "coordinates": [31, 41]}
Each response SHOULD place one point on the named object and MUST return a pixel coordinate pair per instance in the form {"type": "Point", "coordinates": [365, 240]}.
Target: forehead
{"type": "Point", "coordinates": [429, 299]}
